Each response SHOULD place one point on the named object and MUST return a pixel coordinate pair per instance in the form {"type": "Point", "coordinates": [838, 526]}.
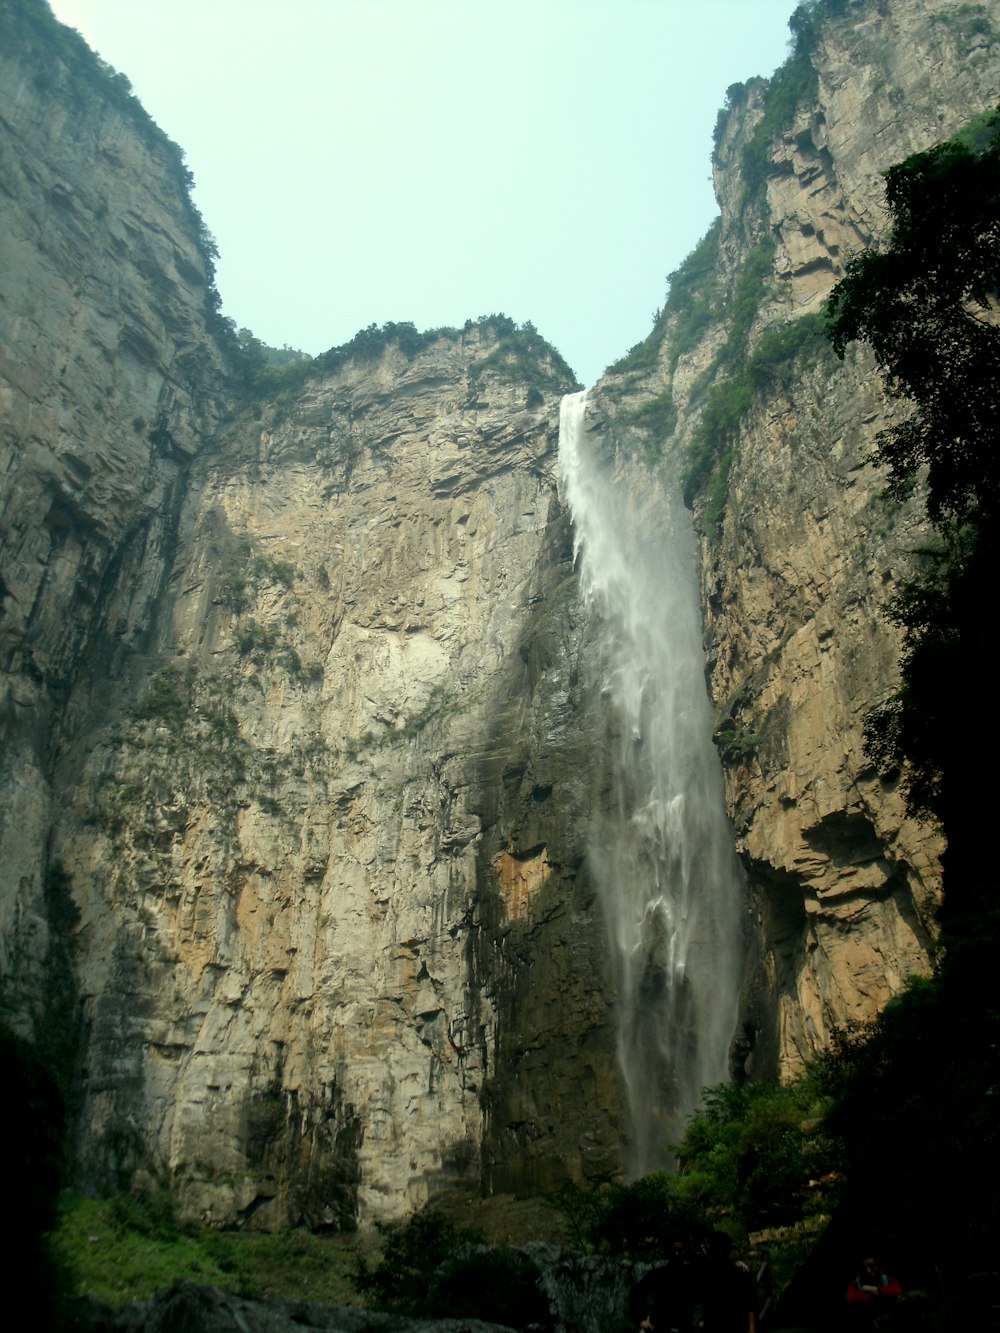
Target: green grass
{"type": "Point", "coordinates": [109, 1257]}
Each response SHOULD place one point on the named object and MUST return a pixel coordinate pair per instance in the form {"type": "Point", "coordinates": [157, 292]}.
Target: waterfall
{"type": "Point", "coordinates": [663, 858]}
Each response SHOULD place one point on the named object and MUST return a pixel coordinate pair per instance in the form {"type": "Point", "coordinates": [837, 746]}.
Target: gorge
{"type": "Point", "coordinates": [311, 751]}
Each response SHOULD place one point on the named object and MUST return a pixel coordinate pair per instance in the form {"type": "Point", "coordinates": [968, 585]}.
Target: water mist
{"type": "Point", "coordinates": [663, 859]}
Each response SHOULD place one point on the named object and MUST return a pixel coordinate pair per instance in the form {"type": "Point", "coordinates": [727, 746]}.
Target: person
{"type": "Point", "coordinates": [872, 1291]}
{"type": "Point", "coordinates": [764, 1283]}
{"type": "Point", "coordinates": [729, 1301]}
{"type": "Point", "coordinates": [663, 1300]}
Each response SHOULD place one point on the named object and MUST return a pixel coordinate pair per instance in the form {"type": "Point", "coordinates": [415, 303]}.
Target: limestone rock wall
{"type": "Point", "coordinates": [109, 382]}
{"type": "Point", "coordinates": [302, 722]}
{"type": "Point", "coordinates": [311, 875]}
{"type": "Point", "coordinates": [295, 756]}
{"type": "Point", "coordinates": [800, 551]}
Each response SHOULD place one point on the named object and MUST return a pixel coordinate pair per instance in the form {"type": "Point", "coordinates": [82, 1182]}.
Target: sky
{"type": "Point", "coordinates": [360, 161]}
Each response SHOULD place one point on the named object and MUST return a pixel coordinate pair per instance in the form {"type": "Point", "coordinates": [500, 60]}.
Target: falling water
{"type": "Point", "coordinates": [663, 859]}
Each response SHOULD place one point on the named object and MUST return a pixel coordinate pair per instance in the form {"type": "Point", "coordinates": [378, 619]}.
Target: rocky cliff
{"type": "Point", "coordinates": [319, 845]}
{"type": "Point", "coordinates": [297, 758]}
{"type": "Point", "coordinates": [110, 381]}
{"type": "Point", "coordinates": [303, 721]}
{"type": "Point", "coordinates": [770, 435]}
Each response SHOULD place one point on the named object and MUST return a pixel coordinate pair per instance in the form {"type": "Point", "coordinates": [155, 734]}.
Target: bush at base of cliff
{"type": "Point", "coordinates": [431, 1267]}
{"type": "Point", "coordinates": [758, 1156]}
{"type": "Point", "coordinates": [412, 1251]}
{"type": "Point", "coordinates": [638, 1221]}
{"type": "Point", "coordinates": [35, 1123]}
{"type": "Point", "coordinates": [499, 1285]}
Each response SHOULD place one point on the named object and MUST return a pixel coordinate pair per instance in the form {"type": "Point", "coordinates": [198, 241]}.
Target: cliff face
{"type": "Point", "coordinates": [299, 726]}
{"type": "Point", "coordinates": [109, 382]}
{"type": "Point", "coordinates": [304, 729]}
{"type": "Point", "coordinates": [800, 552]}
{"type": "Point", "coordinates": [323, 832]}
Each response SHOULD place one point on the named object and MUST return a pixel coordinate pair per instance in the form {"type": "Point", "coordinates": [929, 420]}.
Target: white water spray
{"type": "Point", "coordinates": [663, 860]}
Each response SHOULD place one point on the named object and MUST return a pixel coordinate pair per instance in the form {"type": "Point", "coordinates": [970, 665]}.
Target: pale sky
{"type": "Point", "coordinates": [360, 161]}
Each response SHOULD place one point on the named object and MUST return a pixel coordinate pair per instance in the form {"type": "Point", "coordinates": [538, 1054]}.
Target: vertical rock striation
{"type": "Point", "coordinates": [314, 873]}
{"type": "Point", "coordinates": [303, 724]}
{"type": "Point", "coordinates": [110, 381]}
{"type": "Point", "coordinates": [800, 552]}
{"type": "Point", "coordinates": [294, 745]}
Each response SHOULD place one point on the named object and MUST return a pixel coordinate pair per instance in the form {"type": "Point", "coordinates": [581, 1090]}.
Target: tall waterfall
{"type": "Point", "coordinates": [663, 859]}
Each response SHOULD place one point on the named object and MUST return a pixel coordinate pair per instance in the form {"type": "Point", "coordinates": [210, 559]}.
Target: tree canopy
{"type": "Point", "coordinates": [927, 1073]}
{"type": "Point", "coordinates": [927, 305]}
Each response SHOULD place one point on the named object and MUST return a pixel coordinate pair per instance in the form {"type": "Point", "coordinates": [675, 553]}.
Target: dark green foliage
{"type": "Point", "coordinates": [750, 1154]}
{"type": "Point", "coordinates": [735, 744]}
{"type": "Point", "coordinates": [245, 573]}
{"type": "Point", "coordinates": [643, 355]}
{"type": "Point", "coordinates": [370, 344]}
{"type": "Point", "coordinates": [782, 348]}
{"type": "Point", "coordinates": [940, 613]}
{"type": "Point", "coordinates": [411, 1253]}
{"type": "Point", "coordinates": [710, 455]}
{"type": "Point", "coordinates": [979, 133]}
{"type": "Point", "coordinates": [150, 1212]}
{"type": "Point", "coordinates": [780, 351]}
{"type": "Point", "coordinates": [658, 417]}
{"type": "Point", "coordinates": [64, 59]}
{"type": "Point", "coordinates": [129, 1247]}
{"type": "Point", "coordinates": [692, 299]}
{"type": "Point", "coordinates": [691, 303]}
{"type": "Point", "coordinates": [927, 307]}
{"type": "Point", "coordinates": [497, 1284]}
{"type": "Point", "coordinates": [914, 1110]}
{"type": "Point", "coordinates": [921, 1084]}
{"type": "Point", "coordinates": [522, 356]}
{"type": "Point", "coordinates": [966, 21]}
{"type": "Point", "coordinates": [793, 83]}
{"type": "Point", "coordinates": [34, 1124]}
{"type": "Point", "coordinates": [266, 569]}
{"type": "Point", "coordinates": [255, 641]}
{"type": "Point", "coordinates": [747, 298]}
{"type": "Point", "coordinates": [258, 361]}
{"type": "Point", "coordinates": [736, 96]}
{"type": "Point", "coordinates": [640, 1220]}
{"type": "Point", "coordinates": [168, 697]}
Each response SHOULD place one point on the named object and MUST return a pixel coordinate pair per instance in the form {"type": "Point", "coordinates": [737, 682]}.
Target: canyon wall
{"type": "Point", "coordinates": [315, 852]}
{"type": "Point", "coordinates": [110, 381]}
{"type": "Point", "coordinates": [304, 727]}
{"type": "Point", "coordinates": [301, 732]}
{"type": "Point", "coordinates": [800, 550]}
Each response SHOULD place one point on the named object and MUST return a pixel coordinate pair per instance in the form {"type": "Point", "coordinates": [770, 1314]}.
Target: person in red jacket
{"type": "Point", "coordinates": [872, 1291]}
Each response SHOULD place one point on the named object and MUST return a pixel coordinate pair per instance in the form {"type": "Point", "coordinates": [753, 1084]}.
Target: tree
{"type": "Point", "coordinates": [927, 1072]}
{"type": "Point", "coordinates": [927, 306]}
